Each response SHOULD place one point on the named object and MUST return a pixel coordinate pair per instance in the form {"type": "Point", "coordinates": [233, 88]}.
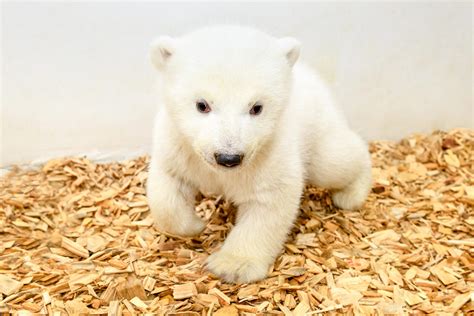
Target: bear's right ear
{"type": "Point", "coordinates": [161, 50]}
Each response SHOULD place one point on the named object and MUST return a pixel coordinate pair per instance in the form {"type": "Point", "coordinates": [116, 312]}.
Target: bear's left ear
{"type": "Point", "coordinates": [291, 49]}
{"type": "Point", "coordinates": [161, 51]}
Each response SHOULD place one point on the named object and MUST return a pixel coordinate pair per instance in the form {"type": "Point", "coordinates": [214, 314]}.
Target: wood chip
{"type": "Point", "coordinates": [445, 277]}
{"type": "Point", "coordinates": [227, 311]}
{"type": "Point", "coordinates": [149, 283]}
{"type": "Point", "coordinates": [139, 303]}
{"type": "Point", "coordinates": [247, 292]}
{"type": "Point", "coordinates": [119, 264]}
{"type": "Point", "coordinates": [184, 291]}
{"type": "Point", "coordinates": [223, 299]}
{"type": "Point", "coordinates": [294, 271]}
{"type": "Point", "coordinates": [71, 246]}
{"type": "Point", "coordinates": [76, 307]}
{"type": "Point", "coordinates": [8, 285]}
{"type": "Point", "coordinates": [130, 288]}
{"type": "Point", "coordinates": [459, 301]}
{"type": "Point", "coordinates": [301, 309]}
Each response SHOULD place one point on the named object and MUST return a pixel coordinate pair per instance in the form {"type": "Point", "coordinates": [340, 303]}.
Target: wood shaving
{"type": "Point", "coordinates": [76, 237]}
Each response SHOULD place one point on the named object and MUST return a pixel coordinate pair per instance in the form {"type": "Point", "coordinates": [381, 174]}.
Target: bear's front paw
{"type": "Point", "coordinates": [350, 198]}
{"type": "Point", "coordinates": [237, 269]}
{"type": "Point", "coordinates": [174, 225]}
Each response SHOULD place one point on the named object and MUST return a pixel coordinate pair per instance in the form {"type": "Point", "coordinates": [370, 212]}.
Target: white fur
{"type": "Point", "coordinates": [299, 137]}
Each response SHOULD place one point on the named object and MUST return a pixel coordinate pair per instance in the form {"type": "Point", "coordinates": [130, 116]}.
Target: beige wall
{"type": "Point", "coordinates": [76, 77]}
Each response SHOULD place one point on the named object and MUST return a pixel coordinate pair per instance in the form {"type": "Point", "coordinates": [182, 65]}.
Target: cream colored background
{"type": "Point", "coordinates": [76, 77]}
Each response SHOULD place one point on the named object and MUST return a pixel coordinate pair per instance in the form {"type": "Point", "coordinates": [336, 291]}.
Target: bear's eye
{"type": "Point", "coordinates": [202, 106]}
{"type": "Point", "coordinates": [256, 109]}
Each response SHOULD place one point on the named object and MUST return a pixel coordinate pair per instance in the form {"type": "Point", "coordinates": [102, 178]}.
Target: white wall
{"type": "Point", "coordinates": [76, 76]}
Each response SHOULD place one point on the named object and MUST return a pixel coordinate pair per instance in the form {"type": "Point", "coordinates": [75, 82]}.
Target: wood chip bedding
{"type": "Point", "coordinates": [76, 238]}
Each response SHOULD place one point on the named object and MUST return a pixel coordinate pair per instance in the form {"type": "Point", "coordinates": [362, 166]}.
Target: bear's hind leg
{"type": "Point", "coordinates": [341, 162]}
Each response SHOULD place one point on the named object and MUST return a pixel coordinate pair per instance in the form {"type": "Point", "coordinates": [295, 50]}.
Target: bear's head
{"type": "Point", "coordinates": [225, 89]}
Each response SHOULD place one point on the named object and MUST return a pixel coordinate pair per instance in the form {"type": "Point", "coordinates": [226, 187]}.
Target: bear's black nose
{"type": "Point", "coordinates": [228, 160]}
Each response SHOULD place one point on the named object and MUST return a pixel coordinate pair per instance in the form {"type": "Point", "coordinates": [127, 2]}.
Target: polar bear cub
{"type": "Point", "coordinates": [239, 115]}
